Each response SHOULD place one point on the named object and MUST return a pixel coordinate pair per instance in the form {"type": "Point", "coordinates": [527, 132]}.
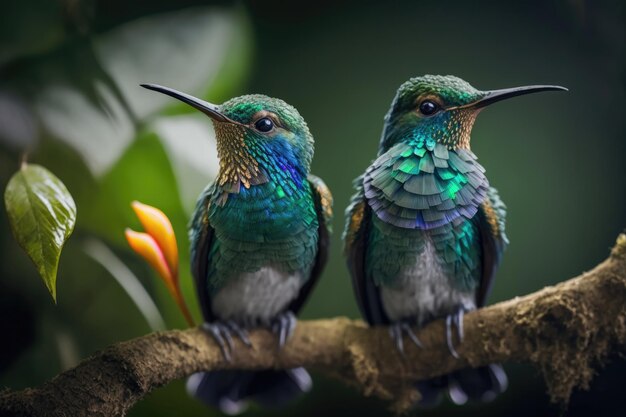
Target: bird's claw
{"type": "Point", "coordinates": [398, 330]}
{"type": "Point", "coordinates": [283, 325]}
{"type": "Point", "coordinates": [455, 319]}
{"type": "Point", "coordinates": [222, 337]}
{"type": "Point", "coordinates": [240, 332]}
{"type": "Point", "coordinates": [221, 333]}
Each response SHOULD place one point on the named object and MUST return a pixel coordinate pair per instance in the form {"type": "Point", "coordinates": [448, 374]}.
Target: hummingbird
{"type": "Point", "coordinates": [425, 232]}
{"type": "Point", "coordinates": [259, 241]}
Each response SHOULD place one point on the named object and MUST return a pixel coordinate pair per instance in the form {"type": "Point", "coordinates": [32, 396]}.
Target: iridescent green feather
{"type": "Point", "coordinates": [261, 226]}
{"type": "Point", "coordinates": [500, 211]}
{"type": "Point", "coordinates": [414, 187]}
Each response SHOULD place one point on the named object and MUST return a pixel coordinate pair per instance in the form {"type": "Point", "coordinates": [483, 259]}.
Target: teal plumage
{"type": "Point", "coordinates": [259, 241]}
{"type": "Point", "coordinates": [457, 246]}
{"type": "Point", "coordinates": [244, 238]}
{"type": "Point", "coordinates": [425, 231]}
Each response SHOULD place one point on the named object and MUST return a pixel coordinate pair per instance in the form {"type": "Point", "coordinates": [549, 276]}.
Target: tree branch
{"type": "Point", "coordinates": [567, 330]}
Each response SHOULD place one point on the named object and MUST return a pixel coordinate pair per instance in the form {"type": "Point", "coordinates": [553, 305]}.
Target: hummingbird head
{"type": "Point", "coordinates": [258, 137]}
{"type": "Point", "coordinates": [441, 109]}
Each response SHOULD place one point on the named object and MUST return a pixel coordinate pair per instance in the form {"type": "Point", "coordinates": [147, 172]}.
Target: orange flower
{"type": "Point", "coordinates": [157, 225]}
{"type": "Point", "coordinates": [158, 247]}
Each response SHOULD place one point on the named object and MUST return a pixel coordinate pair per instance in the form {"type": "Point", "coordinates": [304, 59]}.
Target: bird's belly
{"type": "Point", "coordinates": [256, 296]}
{"type": "Point", "coordinates": [423, 292]}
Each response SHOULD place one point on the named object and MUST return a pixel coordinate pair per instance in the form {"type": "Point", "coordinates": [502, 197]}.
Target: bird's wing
{"type": "Point", "coordinates": [355, 237]}
{"type": "Point", "coordinates": [201, 236]}
{"type": "Point", "coordinates": [490, 220]}
{"type": "Point", "coordinates": [323, 201]}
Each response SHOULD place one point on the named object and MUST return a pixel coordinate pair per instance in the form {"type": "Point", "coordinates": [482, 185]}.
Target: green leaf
{"type": "Point", "coordinates": [42, 215]}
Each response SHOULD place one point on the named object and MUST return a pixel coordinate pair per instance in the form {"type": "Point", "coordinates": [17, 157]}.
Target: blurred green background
{"type": "Point", "coordinates": [69, 97]}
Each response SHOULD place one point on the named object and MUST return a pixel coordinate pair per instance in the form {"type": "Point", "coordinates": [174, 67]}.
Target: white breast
{"type": "Point", "coordinates": [423, 292]}
{"type": "Point", "coordinates": [258, 295]}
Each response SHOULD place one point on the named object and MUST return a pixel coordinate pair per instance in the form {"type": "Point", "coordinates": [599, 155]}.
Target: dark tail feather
{"type": "Point", "coordinates": [273, 389]}
{"type": "Point", "coordinates": [477, 384]}
{"type": "Point", "coordinates": [431, 391]}
{"type": "Point", "coordinates": [231, 390]}
{"type": "Point", "coordinates": [474, 384]}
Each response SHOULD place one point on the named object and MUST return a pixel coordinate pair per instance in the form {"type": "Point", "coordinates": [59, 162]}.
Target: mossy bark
{"type": "Point", "coordinates": [567, 330]}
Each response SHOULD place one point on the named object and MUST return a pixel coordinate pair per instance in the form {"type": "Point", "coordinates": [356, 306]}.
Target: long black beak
{"type": "Point", "coordinates": [494, 96]}
{"type": "Point", "coordinates": [205, 107]}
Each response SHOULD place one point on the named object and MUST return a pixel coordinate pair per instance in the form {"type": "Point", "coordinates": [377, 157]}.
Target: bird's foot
{"type": "Point", "coordinates": [456, 320]}
{"type": "Point", "coordinates": [398, 330]}
{"type": "Point", "coordinates": [283, 325]}
{"type": "Point", "coordinates": [222, 332]}
{"type": "Point", "coordinates": [239, 331]}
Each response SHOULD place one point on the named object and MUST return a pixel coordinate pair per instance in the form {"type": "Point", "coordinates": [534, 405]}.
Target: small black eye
{"type": "Point", "coordinates": [264, 125]}
{"type": "Point", "coordinates": [428, 108]}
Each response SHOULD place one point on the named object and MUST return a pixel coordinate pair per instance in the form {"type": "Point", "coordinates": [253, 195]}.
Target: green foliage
{"type": "Point", "coordinates": [42, 215]}
{"type": "Point", "coordinates": [114, 142]}
{"type": "Point", "coordinates": [72, 100]}
{"type": "Point", "coordinates": [86, 92]}
{"type": "Point", "coordinates": [30, 27]}
{"type": "Point", "coordinates": [143, 173]}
